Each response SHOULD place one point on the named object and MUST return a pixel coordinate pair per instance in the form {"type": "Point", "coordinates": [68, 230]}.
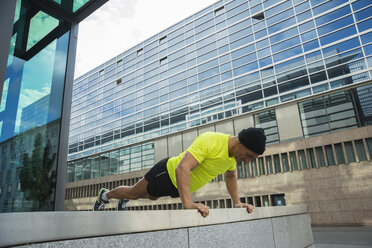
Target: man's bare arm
{"type": "Point", "coordinates": [185, 166]}
{"type": "Point", "coordinates": [232, 188]}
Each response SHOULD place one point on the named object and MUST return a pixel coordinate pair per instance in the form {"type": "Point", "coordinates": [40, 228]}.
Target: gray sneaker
{"type": "Point", "coordinates": [99, 205]}
{"type": "Point", "coordinates": [122, 205]}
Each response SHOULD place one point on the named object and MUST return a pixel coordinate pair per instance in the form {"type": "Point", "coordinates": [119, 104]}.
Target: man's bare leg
{"type": "Point", "coordinates": [139, 190]}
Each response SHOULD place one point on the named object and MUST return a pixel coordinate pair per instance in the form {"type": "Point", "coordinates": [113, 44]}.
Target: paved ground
{"type": "Point", "coordinates": [342, 237]}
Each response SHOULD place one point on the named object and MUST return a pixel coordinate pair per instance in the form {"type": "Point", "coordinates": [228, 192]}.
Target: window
{"type": "Point", "coordinates": [278, 200]}
{"type": "Point", "coordinates": [258, 201]}
{"type": "Point", "coordinates": [163, 61]}
{"type": "Point", "coordinates": [293, 158]}
{"type": "Point", "coordinates": [269, 165]}
{"type": "Point", "coordinates": [162, 40]}
{"type": "Point", "coordinates": [285, 162]}
{"type": "Point", "coordinates": [259, 16]}
{"type": "Point", "coordinates": [350, 152]}
{"type": "Point", "coordinates": [267, 121]}
{"type": "Point", "coordinates": [262, 166]}
{"type": "Point", "coordinates": [329, 154]}
{"type": "Point", "coordinates": [310, 154]}
{"type": "Point", "coordinates": [320, 156]}
{"type": "Point", "coordinates": [118, 81]}
{"type": "Point", "coordinates": [360, 150]}
{"type": "Point", "coordinates": [254, 168]}
{"type": "Point", "coordinates": [369, 144]}
{"type": "Point", "coordinates": [101, 72]}
{"type": "Point", "coordinates": [339, 154]}
{"type": "Point", "coordinates": [219, 11]}
{"type": "Point", "coordinates": [139, 51]}
{"type": "Point", "coordinates": [302, 159]}
{"type": "Point", "coordinates": [277, 164]}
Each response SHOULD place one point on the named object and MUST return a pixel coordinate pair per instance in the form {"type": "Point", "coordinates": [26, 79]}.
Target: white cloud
{"type": "Point", "coordinates": [120, 25]}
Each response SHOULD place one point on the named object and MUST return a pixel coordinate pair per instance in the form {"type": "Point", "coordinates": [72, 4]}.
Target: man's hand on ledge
{"type": "Point", "coordinates": [202, 209]}
{"type": "Point", "coordinates": [249, 207]}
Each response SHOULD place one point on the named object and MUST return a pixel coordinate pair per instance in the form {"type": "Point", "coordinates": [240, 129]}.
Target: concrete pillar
{"type": "Point", "coordinates": [207, 128]}
{"type": "Point", "coordinates": [289, 122]}
{"type": "Point", "coordinates": [242, 123]}
{"type": "Point", "coordinates": [188, 137]}
{"type": "Point", "coordinates": [226, 127]}
{"type": "Point", "coordinates": [161, 149]}
{"type": "Point", "coordinates": [175, 145]}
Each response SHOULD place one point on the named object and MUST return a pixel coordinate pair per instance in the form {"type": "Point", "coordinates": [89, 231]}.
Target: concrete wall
{"type": "Point", "coordinates": [269, 227]}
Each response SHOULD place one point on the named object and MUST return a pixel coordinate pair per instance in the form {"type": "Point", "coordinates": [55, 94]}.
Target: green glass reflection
{"type": "Point", "coordinates": [17, 10]}
{"type": "Point", "coordinates": [78, 4]}
{"type": "Point", "coordinates": [41, 24]}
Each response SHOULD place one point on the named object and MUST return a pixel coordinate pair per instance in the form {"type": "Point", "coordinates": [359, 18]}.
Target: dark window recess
{"type": "Point", "coordinates": [164, 60]}
{"type": "Point", "coordinates": [140, 51]}
{"type": "Point", "coordinates": [162, 39]}
{"type": "Point", "coordinates": [259, 16]}
{"type": "Point", "coordinates": [118, 81]}
{"type": "Point", "coordinates": [218, 10]}
{"type": "Point", "coordinates": [278, 200]}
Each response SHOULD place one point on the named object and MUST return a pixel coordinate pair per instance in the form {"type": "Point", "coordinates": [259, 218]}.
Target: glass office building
{"type": "Point", "coordinates": [231, 58]}
{"type": "Point", "coordinates": [36, 83]}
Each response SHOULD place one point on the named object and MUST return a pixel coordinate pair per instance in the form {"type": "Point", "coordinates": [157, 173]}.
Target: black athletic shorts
{"type": "Point", "coordinates": [159, 182]}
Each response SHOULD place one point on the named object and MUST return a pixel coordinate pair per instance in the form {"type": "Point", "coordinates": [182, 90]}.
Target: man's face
{"type": "Point", "coordinates": [244, 154]}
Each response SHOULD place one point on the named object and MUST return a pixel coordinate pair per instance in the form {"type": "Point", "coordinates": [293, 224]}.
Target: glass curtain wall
{"type": "Point", "coordinates": [230, 58]}
{"type": "Point", "coordinates": [29, 118]}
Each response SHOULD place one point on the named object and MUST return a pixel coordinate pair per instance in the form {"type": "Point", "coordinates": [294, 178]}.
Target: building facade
{"type": "Point", "coordinates": [301, 70]}
{"type": "Point", "coordinates": [37, 56]}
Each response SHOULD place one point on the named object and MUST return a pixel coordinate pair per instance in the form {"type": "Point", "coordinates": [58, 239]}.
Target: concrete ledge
{"type": "Point", "coordinates": [288, 225]}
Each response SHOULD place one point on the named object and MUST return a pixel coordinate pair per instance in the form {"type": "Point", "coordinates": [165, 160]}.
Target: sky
{"type": "Point", "coordinates": [121, 24]}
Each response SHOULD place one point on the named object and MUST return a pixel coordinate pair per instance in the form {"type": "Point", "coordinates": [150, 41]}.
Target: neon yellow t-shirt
{"type": "Point", "coordinates": [211, 151]}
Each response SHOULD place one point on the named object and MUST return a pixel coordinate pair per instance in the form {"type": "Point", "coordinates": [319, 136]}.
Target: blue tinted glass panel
{"type": "Point", "coordinates": [240, 25]}
{"type": "Point", "coordinates": [265, 61]}
{"type": "Point", "coordinates": [283, 35]}
{"type": "Point", "coordinates": [290, 64]}
{"type": "Point", "coordinates": [361, 4]}
{"type": "Point", "coordinates": [244, 60]}
{"type": "Point", "coordinates": [366, 38]}
{"type": "Point", "coordinates": [294, 84]}
{"type": "Point", "coordinates": [306, 26]}
{"type": "Point", "coordinates": [333, 15]}
{"type": "Point", "coordinates": [361, 15]}
{"type": "Point", "coordinates": [362, 26]}
{"type": "Point", "coordinates": [246, 68]}
{"type": "Point", "coordinates": [280, 17]}
{"type": "Point", "coordinates": [241, 42]}
{"type": "Point", "coordinates": [368, 50]}
{"type": "Point", "coordinates": [278, 8]}
{"type": "Point", "coordinates": [335, 25]}
{"type": "Point", "coordinates": [282, 25]}
{"type": "Point", "coordinates": [260, 34]}
{"type": "Point", "coordinates": [238, 17]}
{"type": "Point", "coordinates": [341, 47]}
{"type": "Point", "coordinates": [241, 34]}
{"type": "Point", "coordinates": [242, 51]}
{"type": "Point", "coordinates": [338, 35]}
{"type": "Point", "coordinates": [302, 7]}
{"type": "Point", "coordinates": [288, 53]}
{"type": "Point", "coordinates": [304, 16]}
{"type": "Point", "coordinates": [320, 88]}
{"type": "Point", "coordinates": [308, 36]}
{"type": "Point", "coordinates": [327, 6]}
{"type": "Point", "coordinates": [285, 44]}
{"type": "Point", "coordinates": [311, 45]}
{"type": "Point", "coordinates": [295, 95]}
